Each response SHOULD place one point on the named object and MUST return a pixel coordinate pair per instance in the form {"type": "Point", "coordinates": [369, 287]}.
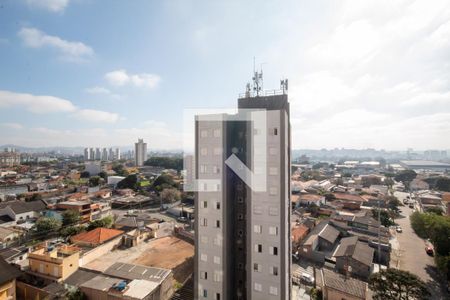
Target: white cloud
{"type": "Point", "coordinates": [121, 78]}
{"type": "Point", "coordinates": [93, 115]}
{"type": "Point", "coordinates": [72, 51]}
{"type": "Point", "coordinates": [16, 126]}
{"type": "Point", "coordinates": [35, 104]}
{"type": "Point", "coordinates": [50, 5]}
{"type": "Point", "coordinates": [99, 90]}
{"type": "Point", "coordinates": [50, 104]}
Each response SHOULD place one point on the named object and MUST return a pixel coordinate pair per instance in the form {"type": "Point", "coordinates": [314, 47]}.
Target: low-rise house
{"type": "Point", "coordinates": [8, 236]}
{"type": "Point", "coordinates": [82, 207]}
{"type": "Point", "coordinates": [418, 184]}
{"type": "Point", "coordinates": [125, 192]}
{"type": "Point", "coordinates": [95, 237]}
{"type": "Point", "coordinates": [53, 263]}
{"type": "Point", "coordinates": [354, 257]}
{"type": "Point", "coordinates": [338, 287]}
{"type": "Point", "coordinates": [100, 210]}
{"type": "Point", "coordinates": [308, 199]}
{"type": "Point", "coordinates": [21, 210]}
{"type": "Point", "coordinates": [298, 233]}
{"type": "Point", "coordinates": [319, 243]}
{"type": "Point", "coordinates": [8, 275]}
{"type": "Point", "coordinates": [348, 201]}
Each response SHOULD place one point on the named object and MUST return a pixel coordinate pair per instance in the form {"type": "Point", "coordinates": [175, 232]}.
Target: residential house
{"type": "Point", "coordinates": [354, 257]}
{"type": "Point", "coordinates": [95, 237]}
{"type": "Point", "coordinates": [348, 201]}
{"type": "Point", "coordinates": [20, 211]}
{"type": "Point", "coordinates": [298, 233]}
{"type": "Point", "coordinates": [309, 199]}
{"type": "Point", "coordinates": [319, 243]}
{"type": "Point", "coordinates": [82, 207]}
{"type": "Point", "coordinates": [8, 275]}
{"type": "Point", "coordinates": [53, 263]}
{"type": "Point", "coordinates": [339, 287]}
{"type": "Point", "coordinates": [100, 210]}
{"type": "Point", "coordinates": [8, 236]}
{"type": "Point", "coordinates": [418, 184]}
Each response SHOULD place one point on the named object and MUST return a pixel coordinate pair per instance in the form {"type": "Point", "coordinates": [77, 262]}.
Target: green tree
{"type": "Point", "coordinates": [443, 184]}
{"type": "Point", "coordinates": [396, 284]}
{"type": "Point", "coordinates": [106, 222]}
{"type": "Point", "coordinates": [170, 195]}
{"type": "Point", "coordinates": [94, 181]}
{"type": "Point", "coordinates": [76, 295]}
{"type": "Point", "coordinates": [120, 170]}
{"type": "Point", "coordinates": [406, 176]}
{"type": "Point", "coordinates": [85, 174]}
{"type": "Point", "coordinates": [45, 225]}
{"type": "Point", "coordinates": [34, 197]}
{"type": "Point", "coordinates": [175, 163]}
{"type": "Point", "coordinates": [128, 182]}
{"type": "Point", "coordinates": [163, 181]}
{"type": "Point", "coordinates": [367, 181]}
{"type": "Point", "coordinates": [70, 217]}
{"type": "Point", "coordinates": [103, 175]}
{"type": "Point", "coordinates": [435, 210]}
{"type": "Point", "coordinates": [71, 230]}
{"type": "Point", "coordinates": [385, 218]}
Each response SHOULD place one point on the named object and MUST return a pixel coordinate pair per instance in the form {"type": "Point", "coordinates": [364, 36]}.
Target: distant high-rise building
{"type": "Point", "coordinates": [104, 154]}
{"type": "Point", "coordinates": [140, 152]}
{"type": "Point", "coordinates": [117, 154]}
{"type": "Point", "coordinates": [111, 155]}
{"type": "Point", "coordinates": [98, 154]}
{"type": "Point", "coordinates": [91, 153]}
{"type": "Point", "coordinates": [87, 154]}
{"type": "Point", "coordinates": [243, 247]}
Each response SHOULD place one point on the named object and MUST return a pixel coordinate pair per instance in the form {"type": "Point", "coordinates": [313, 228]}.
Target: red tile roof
{"type": "Point", "coordinates": [97, 236]}
{"type": "Point", "coordinates": [349, 197]}
{"type": "Point", "coordinates": [298, 233]}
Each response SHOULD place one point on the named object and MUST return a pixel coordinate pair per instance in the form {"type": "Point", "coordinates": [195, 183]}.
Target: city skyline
{"type": "Point", "coordinates": [369, 75]}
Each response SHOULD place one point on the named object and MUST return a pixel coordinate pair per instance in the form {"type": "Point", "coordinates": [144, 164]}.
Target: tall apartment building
{"type": "Point", "coordinates": [87, 154]}
{"type": "Point", "coordinates": [117, 154]}
{"type": "Point", "coordinates": [243, 248]}
{"type": "Point", "coordinates": [140, 150]}
{"type": "Point", "coordinates": [91, 153]}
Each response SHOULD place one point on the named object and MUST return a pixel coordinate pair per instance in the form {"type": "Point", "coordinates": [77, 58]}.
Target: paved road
{"type": "Point", "coordinates": [413, 257]}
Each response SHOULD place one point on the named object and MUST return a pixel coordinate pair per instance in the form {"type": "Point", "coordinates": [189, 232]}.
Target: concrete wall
{"type": "Point", "coordinates": [99, 251]}
{"type": "Point", "coordinates": [331, 294]}
{"type": "Point", "coordinates": [8, 290]}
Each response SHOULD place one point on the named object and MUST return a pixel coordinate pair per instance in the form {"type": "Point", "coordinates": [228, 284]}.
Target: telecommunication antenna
{"type": "Point", "coordinates": [284, 85]}
{"type": "Point", "coordinates": [257, 79]}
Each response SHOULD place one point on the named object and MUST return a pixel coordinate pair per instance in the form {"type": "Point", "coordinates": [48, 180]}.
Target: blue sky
{"type": "Point", "coordinates": [82, 73]}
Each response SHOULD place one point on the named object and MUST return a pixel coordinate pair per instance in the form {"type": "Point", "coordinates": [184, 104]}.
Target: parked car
{"type": "Point", "coordinates": [411, 205]}
{"type": "Point", "coordinates": [429, 250]}
{"type": "Point", "coordinates": [398, 229]}
{"type": "Point", "coordinates": [182, 219]}
{"type": "Point", "coordinates": [307, 278]}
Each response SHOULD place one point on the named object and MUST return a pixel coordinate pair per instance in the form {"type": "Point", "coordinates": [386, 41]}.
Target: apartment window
{"type": "Point", "coordinates": [205, 204]}
{"type": "Point", "coordinates": [203, 169]}
{"type": "Point", "coordinates": [273, 230]}
{"type": "Point", "coordinates": [240, 199]}
{"type": "Point", "coordinates": [273, 151]}
{"type": "Point", "coordinates": [258, 287]}
{"type": "Point", "coordinates": [273, 291]}
{"type": "Point", "coordinates": [204, 257]}
{"type": "Point", "coordinates": [217, 260]}
{"type": "Point", "coordinates": [217, 151]}
{"type": "Point", "coordinates": [203, 133]}
{"type": "Point", "coordinates": [216, 133]}
{"type": "Point", "coordinates": [273, 250]}
{"type": "Point", "coordinates": [273, 191]}
{"type": "Point", "coordinates": [205, 293]}
{"type": "Point", "coordinates": [217, 276]}
{"type": "Point", "coordinates": [275, 131]}
{"type": "Point", "coordinates": [217, 205]}
{"type": "Point", "coordinates": [257, 210]}
{"type": "Point", "coordinates": [204, 222]}
{"type": "Point", "coordinates": [218, 241]}
{"type": "Point", "coordinates": [273, 211]}
{"type": "Point", "coordinates": [203, 151]}
{"type": "Point", "coordinates": [273, 171]}
{"type": "Point", "coordinates": [257, 228]}
{"type": "Point", "coordinates": [216, 170]}
{"type": "Point", "coordinates": [217, 223]}
{"type": "Point", "coordinates": [240, 217]}
{"type": "Point", "coordinates": [204, 275]}
{"type": "Point", "coordinates": [258, 248]}
{"type": "Point", "coordinates": [274, 271]}
{"type": "Point", "coordinates": [204, 239]}
{"type": "Point", "coordinates": [257, 267]}
{"type": "Point", "coordinates": [217, 296]}
{"type": "Point", "coordinates": [217, 186]}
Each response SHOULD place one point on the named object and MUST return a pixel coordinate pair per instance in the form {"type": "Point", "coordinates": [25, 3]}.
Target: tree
{"type": "Point", "coordinates": [76, 295]}
{"type": "Point", "coordinates": [45, 225]}
{"type": "Point", "coordinates": [128, 182]}
{"type": "Point", "coordinates": [94, 181]}
{"type": "Point", "coordinates": [70, 217]}
{"type": "Point", "coordinates": [106, 222]}
{"type": "Point", "coordinates": [103, 175]}
{"type": "Point", "coordinates": [435, 210]}
{"type": "Point", "coordinates": [330, 197]}
{"type": "Point", "coordinates": [385, 218]}
{"type": "Point", "coordinates": [71, 230]}
{"type": "Point", "coordinates": [367, 181]}
{"type": "Point", "coordinates": [85, 174]}
{"type": "Point", "coordinates": [405, 176]}
{"type": "Point", "coordinates": [443, 184]}
{"type": "Point", "coordinates": [393, 284]}
{"type": "Point", "coordinates": [170, 195]}
{"type": "Point", "coordinates": [120, 170]}
{"type": "Point", "coordinates": [163, 181]}
{"type": "Point", "coordinates": [175, 163]}
{"type": "Point", "coordinates": [393, 203]}
{"type": "Point", "coordinates": [34, 197]}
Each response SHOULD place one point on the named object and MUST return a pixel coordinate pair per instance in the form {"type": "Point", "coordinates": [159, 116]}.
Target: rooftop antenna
{"type": "Point", "coordinates": [257, 79]}
{"type": "Point", "coordinates": [284, 85]}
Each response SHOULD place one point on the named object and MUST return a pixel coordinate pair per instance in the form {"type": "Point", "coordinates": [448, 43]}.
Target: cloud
{"type": "Point", "coordinates": [93, 115]}
{"type": "Point", "coordinates": [50, 5]}
{"type": "Point", "coordinates": [36, 104]}
{"type": "Point", "coordinates": [16, 126]}
{"type": "Point", "coordinates": [99, 90]}
{"type": "Point", "coordinates": [49, 104]}
{"type": "Point", "coordinates": [122, 78]}
{"type": "Point", "coordinates": [71, 51]}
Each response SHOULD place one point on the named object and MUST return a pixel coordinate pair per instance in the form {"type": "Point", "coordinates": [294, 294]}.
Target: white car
{"type": "Point", "coordinates": [307, 278]}
{"type": "Point", "coordinates": [399, 229]}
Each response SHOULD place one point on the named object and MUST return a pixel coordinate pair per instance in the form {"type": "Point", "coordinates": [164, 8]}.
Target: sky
{"type": "Point", "coordinates": [362, 74]}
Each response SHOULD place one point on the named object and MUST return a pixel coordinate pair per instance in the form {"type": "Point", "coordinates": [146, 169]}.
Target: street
{"type": "Point", "coordinates": [412, 256]}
